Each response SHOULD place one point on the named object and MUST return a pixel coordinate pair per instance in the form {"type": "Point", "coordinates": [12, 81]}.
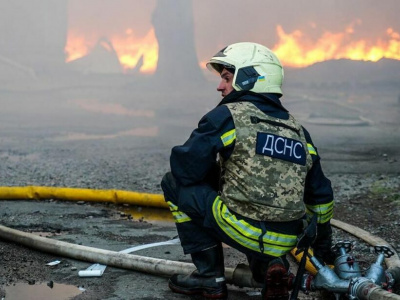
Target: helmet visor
{"type": "Point", "coordinates": [215, 65]}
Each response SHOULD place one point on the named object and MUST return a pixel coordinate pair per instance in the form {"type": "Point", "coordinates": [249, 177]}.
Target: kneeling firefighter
{"type": "Point", "coordinates": [248, 176]}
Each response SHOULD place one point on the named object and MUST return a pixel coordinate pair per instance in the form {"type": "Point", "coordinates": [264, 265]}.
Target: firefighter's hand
{"type": "Point", "coordinates": [323, 244]}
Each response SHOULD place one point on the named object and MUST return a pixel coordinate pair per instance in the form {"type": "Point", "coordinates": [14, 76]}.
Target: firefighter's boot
{"type": "Point", "coordinates": [208, 280]}
{"type": "Point", "coordinates": [277, 282]}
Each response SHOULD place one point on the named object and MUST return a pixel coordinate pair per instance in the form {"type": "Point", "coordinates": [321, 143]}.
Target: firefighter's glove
{"type": "Point", "coordinates": [323, 244]}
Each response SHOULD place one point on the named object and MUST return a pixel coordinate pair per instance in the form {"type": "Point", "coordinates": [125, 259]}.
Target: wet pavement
{"type": "Point", "coordinates": [104, 227]}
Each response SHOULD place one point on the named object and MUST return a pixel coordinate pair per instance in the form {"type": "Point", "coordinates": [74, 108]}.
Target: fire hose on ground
{"type": "Point", "coordinates": [364, 289]}
{"type": "Point", "coordinates": [240, 276]}
{"type": "Point", "coordinates": [78, 194]}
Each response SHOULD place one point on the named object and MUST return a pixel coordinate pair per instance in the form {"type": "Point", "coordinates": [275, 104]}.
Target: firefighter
{"type": "Point", "coordinates": [248, 176]}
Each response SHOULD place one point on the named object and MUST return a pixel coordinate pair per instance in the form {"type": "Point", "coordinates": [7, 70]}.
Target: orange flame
{"type": "Point", "coordinates": [297, 50]}
{"type": "Point", "coordinates": [76, 46]}
{"type": "Point", "coordinates": [128, 47]}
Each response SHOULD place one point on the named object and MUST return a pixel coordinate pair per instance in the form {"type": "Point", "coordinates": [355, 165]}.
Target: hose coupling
{"type": "Point", "coordinates": [359, 287]}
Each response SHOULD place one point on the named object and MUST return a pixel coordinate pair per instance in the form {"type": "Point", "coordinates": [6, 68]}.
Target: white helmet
{"type": "Point", "coordinates": [256, 68]}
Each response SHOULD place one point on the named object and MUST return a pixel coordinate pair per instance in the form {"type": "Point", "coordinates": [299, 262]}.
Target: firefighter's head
{"type": "Point", "coordinates": [250, 66]}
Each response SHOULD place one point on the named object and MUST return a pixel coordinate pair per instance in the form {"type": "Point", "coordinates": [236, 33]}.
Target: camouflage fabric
{"type": "Point", "coordinates": [256, 181]}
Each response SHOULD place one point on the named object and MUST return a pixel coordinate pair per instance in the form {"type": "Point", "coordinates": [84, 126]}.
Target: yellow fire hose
{"type": "Point", "coordinates": [77, 194]}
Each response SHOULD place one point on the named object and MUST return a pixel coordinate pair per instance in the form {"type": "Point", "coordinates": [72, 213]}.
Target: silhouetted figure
{"type": "Point", "coordinates": [177, 60]}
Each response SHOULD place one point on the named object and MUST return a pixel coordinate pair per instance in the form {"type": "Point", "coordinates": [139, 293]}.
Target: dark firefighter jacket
{"type": "Point", "coordinates": [192, 161]}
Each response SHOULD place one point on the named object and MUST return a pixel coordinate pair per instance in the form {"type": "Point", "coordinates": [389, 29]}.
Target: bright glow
{"type": "Point", "coordinates": [296, 49]}
{"type": "Point", "coordinates": [77, 46]}
{"type": "Point", "coordinates": [128, 47]}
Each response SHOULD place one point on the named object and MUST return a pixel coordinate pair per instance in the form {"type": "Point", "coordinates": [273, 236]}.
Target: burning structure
{"type": "Point", "coordinates": [41, 37]}
{"type": "Point", "coordinates": [35, 39]}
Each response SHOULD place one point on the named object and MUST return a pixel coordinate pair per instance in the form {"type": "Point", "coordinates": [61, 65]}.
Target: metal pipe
{"type": "Point", "coordinates": [328, 280]}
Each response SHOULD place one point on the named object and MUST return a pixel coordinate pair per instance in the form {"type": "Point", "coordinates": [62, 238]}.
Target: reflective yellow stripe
{"type": "Point", "coordinates": [323, 211]}
{"type": "Point", "coordinates": [275, 244]}
{"type": "Point", "coordinates": [311, 149]}
{"type": "Point", "coordinates": [179, 217]}
{"type": "Point", "coordinates": [228, 137]}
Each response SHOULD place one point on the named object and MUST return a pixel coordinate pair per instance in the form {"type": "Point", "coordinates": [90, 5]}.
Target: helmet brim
{"type": "Point", "coordinates": [218, 65]}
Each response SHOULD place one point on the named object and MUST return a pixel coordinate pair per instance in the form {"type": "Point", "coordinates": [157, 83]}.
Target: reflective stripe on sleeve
{"type": "Point", "coordinates": [228, 137]}
{"type": "Point", "coordinates": [179, 217]}
{"type": "Point", "coordinates": [275, 244]}
{"type": "Point", "coordinates": [311, 149]}
{"type": "Point", "coordinates": [323, 211]}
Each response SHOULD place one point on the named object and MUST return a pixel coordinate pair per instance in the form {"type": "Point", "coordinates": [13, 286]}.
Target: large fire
{"type": "Point", "coordinates": [296, 49]}
{"type": "Point", "coordinates": [129, 49]}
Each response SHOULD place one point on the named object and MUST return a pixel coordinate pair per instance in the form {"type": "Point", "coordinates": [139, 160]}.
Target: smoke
{"type": "Point", "coordinates": [110, 17]}
{"type": "Point", "coordinates": [34, 34]}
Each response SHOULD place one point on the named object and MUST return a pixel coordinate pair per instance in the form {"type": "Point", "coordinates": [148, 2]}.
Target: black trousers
{"type": "Point", "coordinates": [195, 201]}
{"type": "Point", "coordinates": [203, 231]}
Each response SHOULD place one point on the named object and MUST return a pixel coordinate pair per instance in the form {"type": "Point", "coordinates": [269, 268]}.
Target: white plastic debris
{"type": "Point", "coordinates": [97, 270]}
{"type": "Point", "coordinates": [53, 263]}
{"type": "Point", "coordinates": [253, 293]}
